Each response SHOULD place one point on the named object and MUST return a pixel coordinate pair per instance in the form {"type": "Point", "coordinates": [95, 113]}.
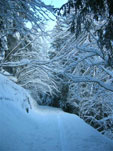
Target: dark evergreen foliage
{"type": "Point", "coordinates": [85, 13]}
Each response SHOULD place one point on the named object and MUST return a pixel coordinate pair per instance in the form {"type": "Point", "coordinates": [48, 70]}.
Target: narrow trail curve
{"type": "Point", "coordinates": [47, 129]}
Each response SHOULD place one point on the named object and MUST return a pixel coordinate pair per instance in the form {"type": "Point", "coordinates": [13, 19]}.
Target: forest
{"type": "Point", "coordinates": [69, 67]}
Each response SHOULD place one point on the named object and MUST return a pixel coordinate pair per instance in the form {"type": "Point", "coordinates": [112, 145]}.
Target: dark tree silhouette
{"type": "Point", "coordinates": [96, 15]}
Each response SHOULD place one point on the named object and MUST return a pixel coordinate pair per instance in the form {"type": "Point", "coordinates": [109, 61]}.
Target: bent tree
{"type": "Point", "coordinates": [22, 44]}
{"type": "Point", "coordinates": [85, 56]}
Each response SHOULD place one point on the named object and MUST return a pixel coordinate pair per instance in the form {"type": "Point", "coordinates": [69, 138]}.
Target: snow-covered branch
{"type": "Point", "coordinates": [23, 62]}
{"type": "Point", "coordinates": [107, 71]}
{"type": "Point", "coordinates": [85, 49]}
{"type": "Point", "coordinates": [88, 79]}
{"type": "Point", "coordinates": [75, 63]}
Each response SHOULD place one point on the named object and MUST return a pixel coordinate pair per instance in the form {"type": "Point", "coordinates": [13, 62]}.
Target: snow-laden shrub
{"type": "Point", "coordinates": [87, 71]}
{"type": "Point", "coordinates": [95, 106]}
{"type": "Point", "coordinates": [29, 63]}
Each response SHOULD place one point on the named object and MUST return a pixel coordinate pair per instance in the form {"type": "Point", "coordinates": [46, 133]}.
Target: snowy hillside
{"type": "Point", "coordinates": [11, 92]}
{"type": "Point", "coordinates": [42, 128]}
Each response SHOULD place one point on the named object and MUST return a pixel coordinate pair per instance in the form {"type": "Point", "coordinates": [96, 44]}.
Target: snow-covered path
{"type": "Point", "coordinates": [47, 129]}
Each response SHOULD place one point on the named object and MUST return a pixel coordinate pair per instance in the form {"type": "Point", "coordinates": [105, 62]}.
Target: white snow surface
{"type": "Point", "coordinates": [11, 92]}
{"type": "Point", "coordinates": [42, 128]}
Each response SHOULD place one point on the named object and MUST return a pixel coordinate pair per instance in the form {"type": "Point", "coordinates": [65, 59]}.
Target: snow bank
{"type": "Point", "coordinates": [9, 91]}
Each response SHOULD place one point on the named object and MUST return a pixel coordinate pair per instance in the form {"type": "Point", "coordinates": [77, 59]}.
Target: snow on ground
{"type": "Point", "coordinates": [9, 91]}
{"type": "Point", "coordinates": [43, 128]}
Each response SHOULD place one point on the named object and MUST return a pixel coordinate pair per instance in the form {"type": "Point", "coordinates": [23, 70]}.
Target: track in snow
{"type": "Point", "coordinates": [47, 129]}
